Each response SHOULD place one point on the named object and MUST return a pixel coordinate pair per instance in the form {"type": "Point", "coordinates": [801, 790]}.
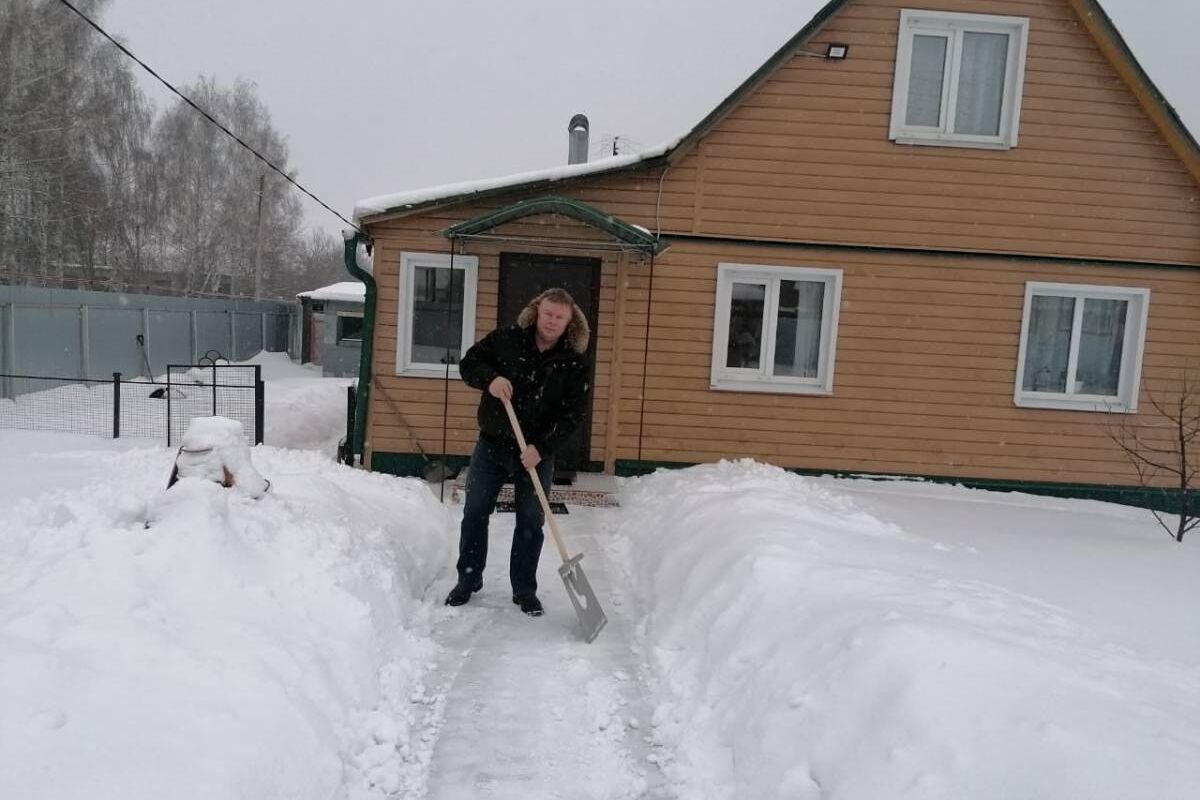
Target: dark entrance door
{"type": "Point", "coordinates": [525, 275]}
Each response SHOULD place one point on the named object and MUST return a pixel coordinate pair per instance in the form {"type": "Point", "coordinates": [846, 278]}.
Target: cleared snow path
{"type": "Point", "coordinates": [529, 709]}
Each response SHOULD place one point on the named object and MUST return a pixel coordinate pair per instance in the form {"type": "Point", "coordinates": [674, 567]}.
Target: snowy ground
{"type": "Point", "coordinates": [771, 636]}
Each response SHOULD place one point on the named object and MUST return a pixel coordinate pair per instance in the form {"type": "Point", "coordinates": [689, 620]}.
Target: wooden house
{"type": "Point", "coordinates": [956, 239]}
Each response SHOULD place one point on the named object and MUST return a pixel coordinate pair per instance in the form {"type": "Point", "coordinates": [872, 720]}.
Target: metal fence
{"type": "Point", "coordinates": [121, 407]}
{"type": "Point", "coordinates": [94, 334]}
{"type": "Point", "coordinates": [227, 390]}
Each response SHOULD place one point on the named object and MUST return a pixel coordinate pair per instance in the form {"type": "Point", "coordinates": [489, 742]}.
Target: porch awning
{"type": "Point", "coordinates": [627, 236]}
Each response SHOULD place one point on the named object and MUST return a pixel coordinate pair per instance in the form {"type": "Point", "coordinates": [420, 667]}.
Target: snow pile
{"type": "Point", "coordinates": [234, 648]}
{"type": "Point", "coordinates": [804, 648]}
{"type": "Point", "coordinates": [302, 410]}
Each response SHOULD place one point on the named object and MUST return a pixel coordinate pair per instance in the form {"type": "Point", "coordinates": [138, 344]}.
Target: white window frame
{"type": "Point", "coordinates": [469, 266]}
{"type": "Point", "coordinates": [339, 339]}
{"type": "Point", "coordinates": [761, 380]}
{"type": "Point", "coordinates": [953, 25]}
{"type": "Point", "coordinates": [1132, 350]}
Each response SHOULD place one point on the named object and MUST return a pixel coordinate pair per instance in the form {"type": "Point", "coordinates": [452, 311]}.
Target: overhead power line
{"type": "Point", "coordinates": [204, 113]}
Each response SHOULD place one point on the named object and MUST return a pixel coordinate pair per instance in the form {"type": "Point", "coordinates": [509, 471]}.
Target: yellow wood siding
{"type": "Point", "coordinates": [927, 346]}
{"type": "Point", "coordinates": [806, 157]}
{"type": "Point", "coordinates": [923, 383]}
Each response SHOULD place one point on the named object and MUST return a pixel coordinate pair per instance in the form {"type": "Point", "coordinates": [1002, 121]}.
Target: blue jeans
{"type": "Point", "coordinates": [491, 465]}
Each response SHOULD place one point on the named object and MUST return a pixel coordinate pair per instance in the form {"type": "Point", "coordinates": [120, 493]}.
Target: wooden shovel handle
{"type": "Point", "coordinates": [537, 484]}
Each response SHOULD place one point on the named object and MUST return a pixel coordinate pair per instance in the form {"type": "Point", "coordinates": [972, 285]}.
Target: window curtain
{"type": "Point", "coordinates": [798, 329]}
{"type": "Point", "coordinates": [981, 84]}
{"type": "Point", "coordinates": [1101, 345]}
{"type": "Point", "coordinates": [927, 69]}
{"type": "Point", "coordinates": [1048, 346]}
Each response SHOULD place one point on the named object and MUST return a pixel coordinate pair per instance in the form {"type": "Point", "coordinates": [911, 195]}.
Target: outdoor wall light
{"type": "Point", "coordinates": [837, 51]}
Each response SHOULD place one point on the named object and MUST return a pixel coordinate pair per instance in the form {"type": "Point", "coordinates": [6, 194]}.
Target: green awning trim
{"type": "Point", "coordinates": [637, 238]}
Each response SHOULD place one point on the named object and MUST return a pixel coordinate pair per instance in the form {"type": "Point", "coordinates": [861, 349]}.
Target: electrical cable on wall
{"type": "Point", "coordinates": [645, 359]}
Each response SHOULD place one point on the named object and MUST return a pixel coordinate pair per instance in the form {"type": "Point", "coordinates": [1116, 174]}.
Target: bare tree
{"type": "Point", "coordinates": [316, 260]}
{"type": "Point", "coordinates": [1162, 447]}
{"type": "Point", "coordinates": [95, 184]}
{"type": "Point", "coordinates": [225, 214]}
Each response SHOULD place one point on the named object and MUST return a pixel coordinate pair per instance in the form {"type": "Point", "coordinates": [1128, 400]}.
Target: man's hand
{"type": "Point", "coordinates": [500, 388]}
{"type": "Point", "coordinates": [530, 457]}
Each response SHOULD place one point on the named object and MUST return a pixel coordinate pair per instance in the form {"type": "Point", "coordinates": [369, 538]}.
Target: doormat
{"type": "Point", "coordinates": [508, 507]}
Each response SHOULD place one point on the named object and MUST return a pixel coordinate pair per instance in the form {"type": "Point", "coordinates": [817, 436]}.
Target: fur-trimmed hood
{"type": "Point", "coordinates": [577, 334]}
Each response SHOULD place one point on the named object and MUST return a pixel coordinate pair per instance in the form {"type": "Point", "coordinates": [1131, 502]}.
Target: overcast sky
{"type": "Point", "coordinates": [381, 96]}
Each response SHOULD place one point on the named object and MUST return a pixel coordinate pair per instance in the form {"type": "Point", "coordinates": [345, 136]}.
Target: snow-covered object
{"type": "Point", "coordinates": [215, 449]}
{"type": "Point", "coordinates": [345, 292]}
{"type": "Point", "coordinates": [365, 261]}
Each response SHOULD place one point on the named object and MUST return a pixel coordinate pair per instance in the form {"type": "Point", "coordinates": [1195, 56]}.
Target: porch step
{"type": "Point", "coordinates": [588, 489]}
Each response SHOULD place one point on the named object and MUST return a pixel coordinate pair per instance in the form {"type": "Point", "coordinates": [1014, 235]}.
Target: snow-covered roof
{"type": "Point", "coordinates": [347, 291]}
{"type": "Point", "coordinates": [389, 202]}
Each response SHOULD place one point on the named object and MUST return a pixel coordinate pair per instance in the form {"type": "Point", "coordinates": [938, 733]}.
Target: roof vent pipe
{"type": "Point", "coordinates": [578, 130]}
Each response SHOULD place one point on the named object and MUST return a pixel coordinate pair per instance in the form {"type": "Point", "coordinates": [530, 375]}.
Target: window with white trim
{"type": "Point", "coordinates": [436, 320]}
{"type": "Point", "coordinates": [958, 79]}
{"type": "Point", "coordinates": [775, 328]}
{"type": "Point", "coordinates": [1081, 347]}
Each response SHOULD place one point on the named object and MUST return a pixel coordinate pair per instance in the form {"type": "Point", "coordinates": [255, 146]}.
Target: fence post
{"type": "Point", "coordinates": [232, 335]}
{"type": "Point", "coordinates": [146, 342]}
{"type": "Point", "coordinates": [259, 392]}
{"type": "Point", "coordinates": [6, 361]}
{"type": "Point", "coordinates": [195, 335]}
{"type": "Point", "coordinates": [170, 402]}
{"type": "Point", "coordinates": [85, 341]}
{"type": "Point", "coordinates": [116, 405]}
{"type": "Point", "coordinates": [351, 400]}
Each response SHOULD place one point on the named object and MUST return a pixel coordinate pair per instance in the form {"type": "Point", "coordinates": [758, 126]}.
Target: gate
{"type": "Point", "coordinates": [227, 390]}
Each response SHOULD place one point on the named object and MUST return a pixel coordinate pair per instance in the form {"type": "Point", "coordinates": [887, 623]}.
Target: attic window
{"type": "Point", "coordinates": [958, 79]}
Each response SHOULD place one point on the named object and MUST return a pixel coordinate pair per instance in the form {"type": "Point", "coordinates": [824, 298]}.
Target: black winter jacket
{"type": "Point", "coordinates": [549, 389]}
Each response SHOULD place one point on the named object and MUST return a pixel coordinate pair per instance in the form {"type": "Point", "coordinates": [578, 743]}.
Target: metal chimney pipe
{"type": "Point", "coordinates": [578, 130]}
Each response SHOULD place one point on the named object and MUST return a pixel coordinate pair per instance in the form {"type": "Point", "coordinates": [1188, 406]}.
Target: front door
{"type": "Point", "coordinates": [523, 276]}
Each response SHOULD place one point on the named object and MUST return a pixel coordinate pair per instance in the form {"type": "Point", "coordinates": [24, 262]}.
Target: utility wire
{"type": "Point", "coordinates": [204, 113]}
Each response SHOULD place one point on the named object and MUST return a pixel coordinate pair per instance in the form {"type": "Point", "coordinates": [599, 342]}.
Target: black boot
{"type": "Point", "coordinates": [460, 594]}
{"type": "Point", "coordinates": [529, 604]}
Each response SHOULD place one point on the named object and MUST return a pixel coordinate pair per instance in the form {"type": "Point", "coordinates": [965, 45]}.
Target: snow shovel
{"type": "Point", "coordinates": [587, 607]}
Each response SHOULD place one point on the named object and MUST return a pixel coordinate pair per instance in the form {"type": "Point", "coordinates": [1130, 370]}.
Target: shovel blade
{"type": "Point", "coordinates": [591, 616]}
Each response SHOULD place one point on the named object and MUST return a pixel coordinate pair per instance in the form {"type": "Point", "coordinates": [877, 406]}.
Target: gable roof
{"type": "Point", "coordinates": [1095, 20]}
{"type": "Point", "coordinates": [543, 178]}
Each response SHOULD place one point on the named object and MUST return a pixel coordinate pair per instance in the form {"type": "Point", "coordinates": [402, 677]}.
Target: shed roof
{"type": "Point", "coordinates": [346, 291]}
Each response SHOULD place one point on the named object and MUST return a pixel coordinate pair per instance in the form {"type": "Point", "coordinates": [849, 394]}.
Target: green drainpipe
{"type": "Point", "coordinates": [353, 239]}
